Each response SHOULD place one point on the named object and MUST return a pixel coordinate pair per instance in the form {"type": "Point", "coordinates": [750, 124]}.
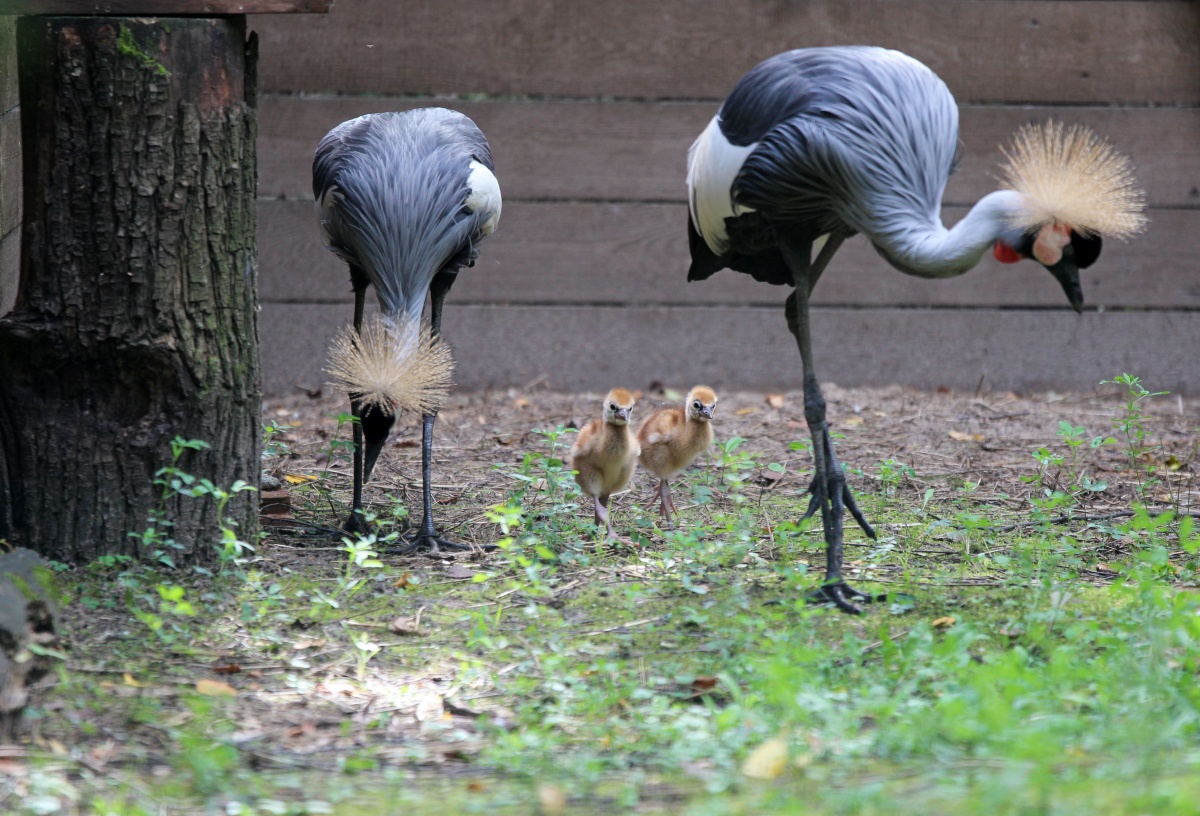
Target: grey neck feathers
{"type": "Point", "coordinates": [929, 250]}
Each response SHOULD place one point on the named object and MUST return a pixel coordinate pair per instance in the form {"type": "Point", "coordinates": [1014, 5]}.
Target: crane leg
{"type": "Point", "coordinates": [357, 524]}
{"type": "Point", "coordinates": [427, 536]}
{"type": "Point", "coordinates": [829, 491]}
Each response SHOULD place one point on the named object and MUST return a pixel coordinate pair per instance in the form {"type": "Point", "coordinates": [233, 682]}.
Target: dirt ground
{"type": "Point", "coordinates": [299, 704]}
{"type": "Point", "coordinates": [946, 438]}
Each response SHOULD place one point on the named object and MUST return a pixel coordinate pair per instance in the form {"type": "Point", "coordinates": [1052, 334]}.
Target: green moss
{"type": "Point", "coordinates": [127, 45]}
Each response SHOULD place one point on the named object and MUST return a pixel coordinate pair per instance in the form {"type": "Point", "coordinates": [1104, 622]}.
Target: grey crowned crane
{"type": "Point", "coordinates": [815, 145]}
{"type": "Point", "coordinates": [404, 199]}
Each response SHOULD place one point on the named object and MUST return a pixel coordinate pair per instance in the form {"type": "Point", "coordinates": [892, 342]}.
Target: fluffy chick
{"type": "Point", "coordinates": [605, 454]}
{"type": "Point", "coordinates": [671, 438]}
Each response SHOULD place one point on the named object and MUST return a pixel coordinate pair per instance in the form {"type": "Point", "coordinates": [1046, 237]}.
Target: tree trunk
{"type": "Point", "coordinates": [136, 313]}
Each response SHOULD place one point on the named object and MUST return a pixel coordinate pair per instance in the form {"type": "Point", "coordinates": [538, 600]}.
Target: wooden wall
{"type": "Point", "coordinates": [10, 165]}
{"type": "Point", "coordinates": [590, 108]}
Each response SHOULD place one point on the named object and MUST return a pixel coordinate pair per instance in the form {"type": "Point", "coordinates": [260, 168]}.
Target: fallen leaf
{"type": "Point", "coordinates": [704, 683]}
{"type": "Point", "coordinates": [1105, 568]}
{"type": "Point", "coordinates": [431, 707]}
{"type": "Point", "coordinates": [455, 571]}
{"type": "Point", "coordinates": [520, 402]}
{"type": "Point", "coordinates": [776, 400]}
{"type": "Point", "coordinates": [290, 479]}
{"type": "Point", "coordinates": [506, 440]}
{"type": "Point", "coordinates": [1172, 463]}
{"type": "Point", "coordinates": [10, 767]}
{"type": "Point", "coordinates": [852, 422]}
{"type": "Point", "coordinates": [966, 437]}
{"type": "Point", "coordinates": [406, 443]}
{"type": "Point", "coordinates": [404, 626]}
{"type": "Point", "coordinates": [215, 688]}
{"type": "Point", "coordinates": [227, 668]}
{"type": "Point", "coordinates": [403, 581]}
{"type": "Point", "coordinates": [130, 681]}
{"type": "Point", "coordinates": [306, 643]}
{"type": "Point", "coordinates": [475, 786]}
{"type": "Point", "coordinates": [767, 761]}
{"type": "Point", "coordinates": [944, 622]}
{"type": "Point", "coordinates": [552, 799]}
{"type": "Point", "coordinates": [744, 411]}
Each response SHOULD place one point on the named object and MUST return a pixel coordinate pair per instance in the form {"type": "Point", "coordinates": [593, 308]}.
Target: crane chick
{"type": "Point", "coordinates": [605, 454]}
{"type": "Point", "coordinates": [671, 438]}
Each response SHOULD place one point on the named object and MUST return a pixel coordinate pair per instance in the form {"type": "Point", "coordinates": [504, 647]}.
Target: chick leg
{"type": "Point", "coordinates": [602, 516]}
{"type": "Point", "coordinates": [830, 492]}
{"type": "Point", "coordinates": [668, 504]}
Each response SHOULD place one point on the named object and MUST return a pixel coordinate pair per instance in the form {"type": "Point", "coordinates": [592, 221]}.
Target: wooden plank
{"type": "Point", "coordinates": [147, 8]}
{"type": "Point", "coordinates": [548, 149]}
{"type": "Point", "coordinates": [614, 253]}
{"type": "Point", "coordinates": [1089, 51]}
{"type": "Point", "coordinates": [572, 348]}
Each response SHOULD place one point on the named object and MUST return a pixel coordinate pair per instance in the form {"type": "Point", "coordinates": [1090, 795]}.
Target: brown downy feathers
{"type": "Point", "coordinates": [396, 366]}
{"type": "Point", "coordinates": [1071, 176]}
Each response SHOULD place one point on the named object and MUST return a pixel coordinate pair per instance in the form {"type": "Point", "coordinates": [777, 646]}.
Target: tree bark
{"type": "Point", "coordinates": [136, 312]}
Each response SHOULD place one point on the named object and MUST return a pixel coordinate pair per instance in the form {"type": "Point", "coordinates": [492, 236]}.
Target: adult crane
{"type": "Point", "coordinates": [815, 145]}
{"type": "Point", "coordinates": [404, 199]}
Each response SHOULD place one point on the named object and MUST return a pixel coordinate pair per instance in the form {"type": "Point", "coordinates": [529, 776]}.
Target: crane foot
{"type": "Point", "coordinates": [842, 595]}
{"type": "Point", "coordinates": [357, 524]}
{"type": "Point", "coordinates": [433, 545]}
{"type": "Point", "coordinates": [814, 504]}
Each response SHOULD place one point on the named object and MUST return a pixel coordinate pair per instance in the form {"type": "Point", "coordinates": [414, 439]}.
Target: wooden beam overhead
{"type": "Point", "coordinates": [161, 8]}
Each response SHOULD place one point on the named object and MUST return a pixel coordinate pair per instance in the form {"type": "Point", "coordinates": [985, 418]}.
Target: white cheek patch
{"type": "Point", "coordinates": [484, 195]}
{"type": "Point", "coordinates": [1050, 242]}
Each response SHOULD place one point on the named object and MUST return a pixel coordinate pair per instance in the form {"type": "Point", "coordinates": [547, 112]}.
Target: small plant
{"type": "Point", "coordinates": [1131, 424]}
{"type": "Point", "coordinates": [892, 474]}
{"type": "Point", "coordinates": [364, 650]}
{"type": "Point", "coordinates": [273, 446]}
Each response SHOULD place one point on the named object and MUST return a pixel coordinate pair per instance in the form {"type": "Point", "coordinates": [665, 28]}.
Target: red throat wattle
{"type": "Point", "coordinates": [1005, 254]}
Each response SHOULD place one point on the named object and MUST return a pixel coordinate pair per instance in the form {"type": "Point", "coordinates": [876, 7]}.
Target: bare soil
{"type": "Point", "coordinates": [298, 701]}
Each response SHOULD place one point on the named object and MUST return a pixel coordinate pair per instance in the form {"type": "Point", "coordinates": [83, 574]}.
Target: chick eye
{"type": "Point", "coordinates": [697, 405]}
{"type": "Point", "coordinates": [612, 407]}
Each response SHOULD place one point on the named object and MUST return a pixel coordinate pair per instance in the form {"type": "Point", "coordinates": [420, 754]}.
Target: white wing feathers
{"type": "Point", "coordinates": [484, 195]}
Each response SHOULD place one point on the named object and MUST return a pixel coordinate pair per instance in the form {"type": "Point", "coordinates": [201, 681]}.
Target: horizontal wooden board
{"type": "Point", "coordinates": [547, 149]}
{"type": "Point", "coordinates": [1107, 51]}
{"type": "Point", "coordinates": [637, 254]}
{"type": "Point", "coordinates": [143, 8]}
{"type": "Point", "coordinates": [592, 349]}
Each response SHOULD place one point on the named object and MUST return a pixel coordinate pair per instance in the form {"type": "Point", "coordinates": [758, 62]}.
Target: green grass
{"type": "Point", "coordinates": [1026, 666]}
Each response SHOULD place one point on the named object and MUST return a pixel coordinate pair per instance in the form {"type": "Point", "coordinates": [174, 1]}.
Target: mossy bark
{"type": "Point", "coordinates": [136, 313]}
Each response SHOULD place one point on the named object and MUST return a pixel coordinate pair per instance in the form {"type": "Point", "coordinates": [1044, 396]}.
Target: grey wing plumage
{"type": "Point", "coordinates": [391, 192]}
{"type": "Point", "coordinates": [862, 140]}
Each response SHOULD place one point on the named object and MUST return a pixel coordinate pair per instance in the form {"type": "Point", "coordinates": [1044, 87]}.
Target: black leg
{"type": "Point", "coordinates": [829, 491]}
{"type": "Point", "coordinates": [426, 536]}
{"type": "Point", "coordinates": [357, 524]}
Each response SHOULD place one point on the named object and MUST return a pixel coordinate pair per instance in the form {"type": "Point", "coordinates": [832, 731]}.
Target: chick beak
{"type": "Point", "coordinates": [1067, 274]}
{"type": "Point", "coordinates": [623, 414]}
{"type": "Point", "coordinates": [706, 412]}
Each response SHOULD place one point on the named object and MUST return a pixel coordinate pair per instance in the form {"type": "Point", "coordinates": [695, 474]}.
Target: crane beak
{"type": "Point", "coordinates": [1066, 272]}
{"type": "Point", "coordinates": [371, 451]}
{"type": "Point", "coordinates": [376, 426]}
